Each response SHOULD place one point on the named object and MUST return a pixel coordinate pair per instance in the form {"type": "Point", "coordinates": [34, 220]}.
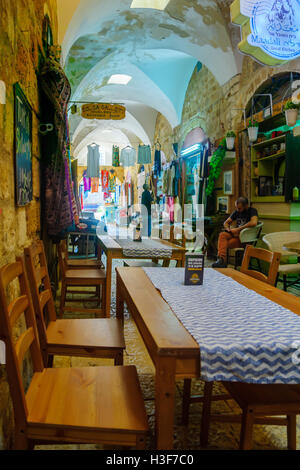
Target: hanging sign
{"type": "Point", "coordinates": [103, 111]}
{"type": "Point", "coordinates": [270, 29]}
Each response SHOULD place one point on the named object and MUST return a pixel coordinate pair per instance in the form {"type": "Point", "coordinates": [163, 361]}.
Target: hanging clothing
{"type": "Point", "coordinates": [144, 154]}
{"type": "Point", "coordinates": [94, 185]}
{"type": "Point", "coordinates": [93, 161]}
{"type": "Point", "coordinates": [128, 156]}
{"type": "Point", "coordinates": [177, 177]}
{"type": "Point", "coordinates": [56, 94]}
{"type": "Point", "coordinates": [157, 163]}
{"type": "Point", "coordinates": [104, 179]}
{"type": "Point", "coordinates": [112, 182]}
{"type": "Point", "coordinates": [115, 156]}
{"type": "Point", "coordinates": [86, 182]}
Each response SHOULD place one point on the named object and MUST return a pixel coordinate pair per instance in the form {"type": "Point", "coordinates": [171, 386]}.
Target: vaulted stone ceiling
{"type": "Point", "coordinates": [158, 49]}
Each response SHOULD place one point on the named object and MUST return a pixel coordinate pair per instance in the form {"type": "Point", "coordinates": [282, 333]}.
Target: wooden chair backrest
{"type": "Point", "coordinates": [15, 351]}
{"type": "Point", "coordinates": [40, 287]}
{"type": "Point", "coordinates": [63, 256]}
{"type": "Point", "coordinates": [273, 258]}
{"type": "Point", "coordinates": [169, 233]}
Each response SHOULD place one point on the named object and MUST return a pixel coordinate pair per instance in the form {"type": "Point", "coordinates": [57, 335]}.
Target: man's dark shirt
{"type": "Point", "coordinates": [244, 217]}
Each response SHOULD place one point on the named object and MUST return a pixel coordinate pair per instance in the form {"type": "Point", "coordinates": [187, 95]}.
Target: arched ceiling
{"type": "Point", "coordinates": [158, 49]}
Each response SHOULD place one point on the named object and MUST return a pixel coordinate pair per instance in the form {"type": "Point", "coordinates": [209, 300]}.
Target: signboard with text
{"type": "Point", "coordinates": [270, 29]}
{"type": "Point", "coordinates": [103, 111]}
{"type": "Point", "coordinates": [194, 269]}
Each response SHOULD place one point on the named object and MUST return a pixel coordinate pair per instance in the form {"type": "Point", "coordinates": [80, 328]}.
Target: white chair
{"type": "Point", "coordinates": [248, 236]}
{"type": "Point", "coordinates": [275, 242]}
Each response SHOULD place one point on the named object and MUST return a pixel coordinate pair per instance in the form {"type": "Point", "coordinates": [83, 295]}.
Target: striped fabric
{"type": "Point", "coordinates": [242, 335]}
{"type": "Point", "coordinates": [144, 249]}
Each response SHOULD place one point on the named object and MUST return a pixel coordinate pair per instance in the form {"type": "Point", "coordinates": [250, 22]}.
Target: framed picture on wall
{"type": "Point", "coordinates": [228, 182]}
{"type": "Point", "coordinates": [223, 204]}
{"type": "Point", "coordinates": [23, 147]}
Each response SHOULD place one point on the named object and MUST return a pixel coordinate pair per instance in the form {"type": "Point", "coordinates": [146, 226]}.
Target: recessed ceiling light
{"type": "Point", "coordinates": [154, 4]}
{"type": "Point", "coordinates": [119, 79]}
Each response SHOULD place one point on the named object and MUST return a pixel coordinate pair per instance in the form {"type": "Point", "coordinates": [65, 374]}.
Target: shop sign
{"type": "Point", "coordinates": [103, 111]}
{"type": "Point", "coordinates": [270, 29]}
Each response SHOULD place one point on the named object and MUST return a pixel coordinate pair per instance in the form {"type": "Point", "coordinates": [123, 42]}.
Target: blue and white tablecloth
{"type": "Point", "coordinates": [242, 335]}
{"type": "Point", "coordinates": [144, 249]}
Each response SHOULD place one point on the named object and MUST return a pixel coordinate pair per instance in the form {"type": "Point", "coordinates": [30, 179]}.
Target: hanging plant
{"type": "Point", "coordinates": [230, 140]}
{"type": "Point", "coordinates": [253, 130]}
{"type": "Point", "coordinates": [291, 113]}
{"type": "Point", "coordinates": [215, 167]}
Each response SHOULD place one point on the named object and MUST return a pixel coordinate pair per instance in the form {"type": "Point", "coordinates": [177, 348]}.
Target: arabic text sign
{"type": "Point", "coordinates": [103, 111]}
{"type": "Point", "coordinates": [274, 27]}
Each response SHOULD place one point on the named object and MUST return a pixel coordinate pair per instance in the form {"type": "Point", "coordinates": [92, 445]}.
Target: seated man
{"type": "Point", "coordinates": [245, 217]}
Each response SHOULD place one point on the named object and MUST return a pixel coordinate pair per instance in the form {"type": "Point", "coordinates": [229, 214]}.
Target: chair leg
{"type": "Point", "coordinates": [141, 443]}
{"type": "Point", "coordinates": [186, 401]}
{"type": "Point", "coordinates": [50, 361]}
{"type": "Point", "coordinates": [291, 432]}
{"type": "Point", "coordinates": [98, 294]}
{"type": "Point", "coordinates": [62, 298]}
{"type": "Point", "coordinates": [119, 359]}
{"type": "Point", "coordinates": [205, 421]}
{"type": "Point", "coordinates": [284, 282]}
{"type": "Point", "coordinates": [247, 429]}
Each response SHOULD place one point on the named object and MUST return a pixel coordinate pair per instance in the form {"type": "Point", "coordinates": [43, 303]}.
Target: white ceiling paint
{"type": "Point", "coordinates": [159, 49]}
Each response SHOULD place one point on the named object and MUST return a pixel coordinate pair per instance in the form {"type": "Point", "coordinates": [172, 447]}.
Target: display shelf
{"type": "Point", "coordinates": [271, 157]}
{"type": "Point", "coordinates": [266, 143]}
{"type": "Point", "coordinates": [268, 199]}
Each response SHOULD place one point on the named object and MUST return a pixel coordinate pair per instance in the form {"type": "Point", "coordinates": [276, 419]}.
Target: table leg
{"type": "Point", "coordinates": [164, 402]}
{"type": "Point", "coordinates": [108, 284]}
{"type": "Point", "coordinates": [119, 300]}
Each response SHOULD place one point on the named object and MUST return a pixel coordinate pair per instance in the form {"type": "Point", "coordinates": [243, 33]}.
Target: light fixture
{"type": "Point", "coordinates": [191, 149]}
{"type": "Point", "coordinates": [119, 79]}
{"type": "Point", "coordinates": [154, 4]}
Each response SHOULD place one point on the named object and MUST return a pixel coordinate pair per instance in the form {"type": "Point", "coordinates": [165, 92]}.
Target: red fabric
{"type": "Point", "coordinates": [104, 179]}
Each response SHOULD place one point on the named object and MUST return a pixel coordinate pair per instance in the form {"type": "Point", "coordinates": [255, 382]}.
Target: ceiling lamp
{"type": "Point", "coordinates": [119, 79]}
{"type": "Point", "coordinates": [154, 4]}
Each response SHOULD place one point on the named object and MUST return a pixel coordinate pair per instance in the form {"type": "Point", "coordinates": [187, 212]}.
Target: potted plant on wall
{"type": "Point", "coordinates": [253, 130]}
{"type": "Point", "coordinates": [230, 140]}
{"type": "Point", "coordinates": [291, 113]}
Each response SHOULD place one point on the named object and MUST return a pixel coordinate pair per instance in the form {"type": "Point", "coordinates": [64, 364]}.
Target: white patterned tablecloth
{"type": "Point", "coordinates": [145, 248]}
{"type": "Point", "coordinates": [242, 335]}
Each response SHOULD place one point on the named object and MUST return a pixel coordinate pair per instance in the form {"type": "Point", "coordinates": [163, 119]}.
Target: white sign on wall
{"type": "Point", "coordinates": [274, 27]}
{"type": "Point", "coordinates": [2, 353]}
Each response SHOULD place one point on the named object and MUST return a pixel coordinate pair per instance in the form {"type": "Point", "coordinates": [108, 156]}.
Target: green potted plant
{"type": "Point", "coordinates": [230, 139]}
{"type": "Point", "coordinates": [291, 113]}
{"type": "Point", "coordinates": [253, 130]}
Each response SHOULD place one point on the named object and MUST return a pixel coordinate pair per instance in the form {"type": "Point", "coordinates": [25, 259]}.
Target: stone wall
{"type": "Point", "coordinates": [20, 38]}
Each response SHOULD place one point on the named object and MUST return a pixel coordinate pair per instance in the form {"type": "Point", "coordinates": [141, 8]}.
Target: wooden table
{"type": "Point", "coordinates": [293, 246]}
{"type": "Point", "coordinates": [113, 250]}
{"type": "Point", "coordinates": [174, 352]}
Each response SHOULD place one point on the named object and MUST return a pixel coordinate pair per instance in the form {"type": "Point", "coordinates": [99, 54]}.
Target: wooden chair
{"type": "Point", "coordinates": [258, 402]}
{"type": "Point", "coordinates": [85, 263]}
{"type": "Point", "coordinates": [273, 258]}
{"type": "Point", "coordinates": [82, 278]}
{"type": "Point", "coordinates": [275, 242]}
{"type": "Point", "coordinates": [174, 235]}
{"type": "Point", "coordinates": [101, 337]}
{"type": "Point", "coordinates": [65, 405]}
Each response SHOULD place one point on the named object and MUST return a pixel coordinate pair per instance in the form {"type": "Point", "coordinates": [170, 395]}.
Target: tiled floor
{"type": "Point", "coordinates": [222, 436]}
